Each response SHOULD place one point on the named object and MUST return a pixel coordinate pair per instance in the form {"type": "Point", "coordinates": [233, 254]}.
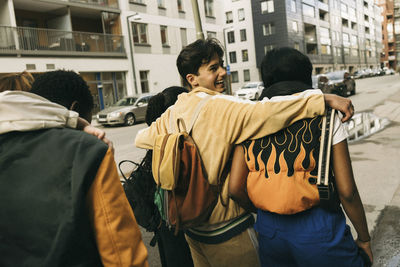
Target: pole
{"type": "Point", "coordinates": [228, 76]}
{"type": "Point", "coordinates": [131, 48]}
{"type": "Point", "coordinates": [197, 21]}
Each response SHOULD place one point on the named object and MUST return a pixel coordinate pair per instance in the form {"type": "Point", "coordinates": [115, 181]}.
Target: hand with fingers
{"type": "Point", "coordinates": [341, 104]}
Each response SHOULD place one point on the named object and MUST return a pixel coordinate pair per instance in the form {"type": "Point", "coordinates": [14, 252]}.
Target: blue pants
{"type": "Point", "coordinates": [314, 237]}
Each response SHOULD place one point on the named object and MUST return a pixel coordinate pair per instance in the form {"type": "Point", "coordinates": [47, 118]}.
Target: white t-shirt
{"type": "Point", "coordinates": [339, 131]}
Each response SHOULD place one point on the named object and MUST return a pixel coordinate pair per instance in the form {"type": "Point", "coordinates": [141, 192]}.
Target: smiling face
{"type": "Point", "coordinates": [210, 75]}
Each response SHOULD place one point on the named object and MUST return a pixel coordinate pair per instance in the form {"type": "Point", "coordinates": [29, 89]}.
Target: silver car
{"type": "Point", "coordinates": [127, 111]}
{"type": "Point", "coordinates": [250, 91]}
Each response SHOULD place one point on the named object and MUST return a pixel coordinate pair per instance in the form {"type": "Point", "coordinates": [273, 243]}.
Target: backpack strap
{"type": "Point", "coordinates": [180, 123]}
{"type": "Point", "coordinates": [325, 148]}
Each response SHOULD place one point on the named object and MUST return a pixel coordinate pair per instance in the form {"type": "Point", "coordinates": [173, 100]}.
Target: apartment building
{"type": "Point", "coordinates": [334, 34]}
{"type": "Point", "coordinates": [80, 35]}
{"type": "Point", "coordinates": [160, 28]}
{"type": "Point", "coordinates": [390, 49]}
{"type": "Point", "coordinates": [239, 43]}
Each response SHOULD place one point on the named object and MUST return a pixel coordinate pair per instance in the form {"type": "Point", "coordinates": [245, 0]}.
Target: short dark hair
{"type": "Point", "coordinates": [286, 64]}
{"type": "Point", "coordinates": [197, 53]}
{"type": "Point", "coordinates": [64, 87]}
{"type": "Point", "coordinates": [159, 103]}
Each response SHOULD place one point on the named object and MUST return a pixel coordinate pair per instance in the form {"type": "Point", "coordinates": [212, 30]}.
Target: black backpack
{"type": "Point", "coordinates": [139, 189]}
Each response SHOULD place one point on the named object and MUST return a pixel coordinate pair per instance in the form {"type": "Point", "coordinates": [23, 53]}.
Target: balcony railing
{"type": "Point", "coordinates": [103, 3]}
{"type": "Point", "coordinates": [36, 41]}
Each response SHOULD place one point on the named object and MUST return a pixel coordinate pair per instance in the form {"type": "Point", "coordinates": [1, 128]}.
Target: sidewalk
{"type": "Point", "coordinates": [377, 170]}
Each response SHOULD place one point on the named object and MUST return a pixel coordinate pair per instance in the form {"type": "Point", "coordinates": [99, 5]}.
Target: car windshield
{"type": "Point", "coordinates": [335, 75]}
{"type": "Point", "coordinates": [125, 102]}
{"type": "Point", "coordinates": [250, 86]}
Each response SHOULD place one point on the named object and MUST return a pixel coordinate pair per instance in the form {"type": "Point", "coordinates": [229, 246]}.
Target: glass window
{"type": "Point", "coordinates": [294, 26]}
{"type": "Point", "coordinates": [232, 57]}
{"type": "Point", "coordinates": [245, 55]}
{"type": "Point", "coordinates": [246, 75]}
{"type": "Point", "coordinates": [346, 51]}
{"type": "Point", "coordinates": [325, 49]}
{"type": "Point", "coordinates": [268, 48]}
{"type": "Point", "coordinates": [231, 37]}
{"type": "Point", "coordinates": [354, 52]}
{"type": "Point", "coordinates": [164, 35]}
{"type": "Point", "coordinates": [293, 6]}
{"type": "Point", "coordinates": [243, 36]}
{"type": "Point", "coordinates": [229, 17]}
{"type": "Point", "coordinates": [343, 7]}
{"type": "Point", "coordinates": [144, 82]}
{"type": "Point", "coordinates": [324, 36]}
{"type": "Point", "coordinates": [209, 8]}
{"type": "Point", "coordinates": [354, 41]}
{"type": "Point", "coordinates": [296, 46]}
{"type": "Point", "coordinates": [352, 13]}
{"type": "Point", "coordinates": [241, 14]}
{"type": "Point", "coordinates": [184, 37]}
{"type": "Point", "coordinates": [267, 6]}
{"type": "Point", "coordinates": [139, 32]}
{"type": "Point", "coordinates": [308, 11]}
{"type": "Point", "coordinates": [180, 5]}
{"type": "Point", "coordinates": [160, 3]}
{"type": "Point", "coordinates": [235, 77]}
{"type": "Point", "coordinates": [268, 29]}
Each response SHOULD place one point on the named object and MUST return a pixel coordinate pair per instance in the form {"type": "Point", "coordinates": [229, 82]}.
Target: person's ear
{"type": "Point", "coordinates": [192, 80]}
{"type": "Point", "coordinates": [74, 106]}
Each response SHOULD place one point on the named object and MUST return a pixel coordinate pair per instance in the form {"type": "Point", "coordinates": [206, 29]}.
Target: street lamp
{"type": "Point", "coordinates": [197, 21]}
{"type": "Point", "coordinates": [228, 71]}
{"type": "Point", "coordinates": [135, 16]}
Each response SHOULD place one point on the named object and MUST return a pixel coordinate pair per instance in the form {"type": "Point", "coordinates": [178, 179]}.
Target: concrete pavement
{"type": "Point", "coordinates": [377, 171]}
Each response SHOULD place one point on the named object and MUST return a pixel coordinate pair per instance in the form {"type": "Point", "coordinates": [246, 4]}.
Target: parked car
{"type": "Point", "coordinates": [388, 71]}
{"type": "Point", "coordinates": [359, 74]}
{"type": "Point", "coordinates": [127, 111]}
{"type": "Point", "coordinates": [321, 81]}
{"type": "Point", "coordinates": [250, 91]}
{"type": "Point", "coordinates": [343, 83]}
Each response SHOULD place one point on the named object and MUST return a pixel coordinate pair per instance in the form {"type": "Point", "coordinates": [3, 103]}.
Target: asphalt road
{"type": "Point", "coordinates": [375, 163]}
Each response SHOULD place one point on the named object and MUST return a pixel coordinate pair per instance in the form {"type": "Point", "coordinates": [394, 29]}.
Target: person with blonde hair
{"type": "Point", "coordinates": [17, 82]}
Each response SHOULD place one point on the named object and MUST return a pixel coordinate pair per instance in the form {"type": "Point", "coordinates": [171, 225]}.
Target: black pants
{"type": "Point", "coordinates": [174, 250]}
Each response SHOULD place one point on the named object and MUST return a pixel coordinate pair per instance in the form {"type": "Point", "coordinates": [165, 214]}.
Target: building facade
{"type": "Point", "coordinates": [239, 43]}
{"type": "Point", "coordinates": [390, 30]}
{"type": "Point", "coordinates": [334, 34]}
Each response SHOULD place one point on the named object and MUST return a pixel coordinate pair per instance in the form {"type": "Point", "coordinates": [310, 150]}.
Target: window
{"type": "Point", "coordinates": [235, 77]}
{"type": "Point", "coordinates": [180, 5]}
{"type": "Point", "coordinates": [139, 32]}
{"type": "Point", "coordinates": [245, 55]}
{"type": "Point", "coordinates": [296, 46]}
{"type": "Point", "coordinates": [294, 26]}
{"type": "Point", "coordinates": [325, 49]}
{"type": "Point", "coordinates": [243, 36]}
{"type": "Point", "coordinates": [352, 13]}
{"type": "Point", "coordinates": [293, 6]}
{"type": "Point", "coordinates": [211, 34]}
{"type": "Point", "coordinates": [338, 51]}
{"type": "Point", "coordinates": [232, 57]}
{"type": "Point", "coordinates": [144, 82]}
{"type": "Point", "coordinates": [164, 35]}
{"type": "Point", "coordinates": [268, 48]}
{"type": "Point", "coordinates": [267, 6]}
{"type": "Point", "coordinates": [353, 41]}
{"type": "Point", "coordinates": [346, 51]}
{"type": "Point", "coordinates": [241, 14]}
{"type": "Point", "coordinates": [367, 30]}
{"type": "Point", "coordinates": [246, 75]}
{"type": "Point", "coordinates": [324, 36]}
{"type": "Point", "coordinates": [343, 7]}
{"type": "Point", "coordinates": [209, 8]}
{"type": "Point", "coordinates": [184, 37]}
{"type": "Point", "coordinates": [229, 17]}
{"type": "Point", "coordinates": [231, 37]}
{"type": "Point", "coordinates": [268, 29]}
{"type": "Point", "coordinates": [138, 1]}
{"type": "Point", "coordinates": [308, 10]}
{"type": "Point", "coordinates": [354, 52]}
{"type": "Point", "coordinates": [160, 3]}
{"type": "Point", "coordinates": [346, 39]}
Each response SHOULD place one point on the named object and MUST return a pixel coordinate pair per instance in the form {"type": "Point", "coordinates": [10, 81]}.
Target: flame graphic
{"type": "Point", "coordinates": [280, 171]}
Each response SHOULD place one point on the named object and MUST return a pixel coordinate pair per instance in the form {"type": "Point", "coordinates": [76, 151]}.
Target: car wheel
{"type": "Point", "coordinates": [130, 119]}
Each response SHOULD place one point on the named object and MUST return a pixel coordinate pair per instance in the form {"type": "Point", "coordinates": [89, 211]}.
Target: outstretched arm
{"type": "Point", "coordinates": [238, 180]}
{"type": "Point", "coordinates": [349, 195]}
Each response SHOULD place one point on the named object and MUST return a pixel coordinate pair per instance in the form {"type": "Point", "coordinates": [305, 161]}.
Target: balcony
{"type": "Point", "coordinates": [50, 42]}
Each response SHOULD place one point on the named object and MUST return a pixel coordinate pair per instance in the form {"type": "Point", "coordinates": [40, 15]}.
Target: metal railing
{"type": "Point", "coordinates": [107, 3]}
{"type": "Point", "coordinates": [24, 40]}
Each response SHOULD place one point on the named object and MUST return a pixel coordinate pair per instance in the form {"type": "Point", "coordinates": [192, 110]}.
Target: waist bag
{"type": "Point", "coordinates": [328, 195]}
{"type": "Point", "coordinates": [184, 196]}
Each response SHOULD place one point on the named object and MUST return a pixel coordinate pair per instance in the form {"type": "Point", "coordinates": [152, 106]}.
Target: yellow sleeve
{"type": "Point", "coordinates": [243, 120]}
{"type": "Point", "coordinates": [145, 137]}
{"type": "Point", "coordinates": [117, 234]}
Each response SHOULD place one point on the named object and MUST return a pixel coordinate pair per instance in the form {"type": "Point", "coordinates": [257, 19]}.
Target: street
{"type": "Point", "coordinates": [375, 163]}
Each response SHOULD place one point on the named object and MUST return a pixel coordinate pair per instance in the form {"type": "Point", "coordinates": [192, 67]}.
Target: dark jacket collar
{"type": "Point", "coordinates": [285, 88]}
